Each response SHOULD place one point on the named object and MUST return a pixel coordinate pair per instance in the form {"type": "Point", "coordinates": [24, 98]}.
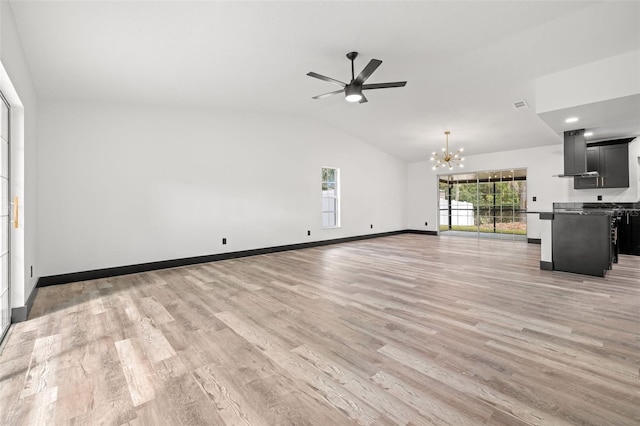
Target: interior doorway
{"type": "Point", "coordinates": [490, 204]}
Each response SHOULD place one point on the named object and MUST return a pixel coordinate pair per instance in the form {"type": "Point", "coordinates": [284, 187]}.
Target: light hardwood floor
{"type": "Point", "coordinates": [408, 329]}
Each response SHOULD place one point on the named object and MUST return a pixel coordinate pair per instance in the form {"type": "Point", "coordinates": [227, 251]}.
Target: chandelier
{"type": "Point", "coordinates": [447, 158]}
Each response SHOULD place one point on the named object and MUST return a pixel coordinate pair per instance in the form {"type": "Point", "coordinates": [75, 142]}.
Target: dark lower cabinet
{"type": "Point", "coordinates": [629, 235]}
{"type": "Point", "coordinates": [611, 162]}
{"type": "Point", "coordinates": [582, 243]}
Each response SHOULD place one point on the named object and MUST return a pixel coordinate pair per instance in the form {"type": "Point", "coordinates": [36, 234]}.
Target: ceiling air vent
{"type": "Point", "coordinates": [520, 104]}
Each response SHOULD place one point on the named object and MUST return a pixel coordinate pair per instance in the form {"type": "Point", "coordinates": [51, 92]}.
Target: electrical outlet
{"type": "Point", "coordinates": [599, 197]}
{"type": "Point", "coordinates": [308, 232]}
{"type": "Point", "coordinates": [31, 271]}
{"type": "Point", "coordinates": [426, 224]}
{"type": "Point", "coordinates": [371, 226]}
{"type": "Point", "coordinates": [535, 198]}
{"type": "Point", "coordinates": [224, 241]}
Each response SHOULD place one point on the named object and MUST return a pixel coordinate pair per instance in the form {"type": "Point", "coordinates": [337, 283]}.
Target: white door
{"type": "Point", "coordinates": [5, 308]}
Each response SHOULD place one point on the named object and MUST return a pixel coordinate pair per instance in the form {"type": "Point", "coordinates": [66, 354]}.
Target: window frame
{"type": "Point", "coordinates": [491, 207]}
{"type": "Point", "coordinates": [335, 197]}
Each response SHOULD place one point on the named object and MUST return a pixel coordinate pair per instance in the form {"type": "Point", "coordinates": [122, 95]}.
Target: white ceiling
{"type": "Point", "coordinates": [465, 62]}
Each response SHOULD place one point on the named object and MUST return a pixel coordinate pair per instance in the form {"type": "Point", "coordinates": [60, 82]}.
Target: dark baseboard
{"type": "Point", "coordinates": [547, 266]}
{"type": "Point", "coordinates": [22, 313]}
{"type": "Point", "coordinates": [534, 240]}
{"type": "Point", "coordinates": [174, 263]}
{"type": "Point", "coordinates": [418, 231]}
{"type": "Point", "coordinates": [19, 314]}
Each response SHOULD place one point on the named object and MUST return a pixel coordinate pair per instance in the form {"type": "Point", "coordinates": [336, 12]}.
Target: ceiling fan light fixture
{"type": "Point", "coordinates": [353, 90]}
{"type": "Point", "coordinates": [353, 94]}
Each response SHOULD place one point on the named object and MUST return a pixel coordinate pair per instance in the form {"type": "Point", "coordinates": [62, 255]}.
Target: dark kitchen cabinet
{"type": "Point", "coordinates": [629, 234]}
{"type": "Point", "coordinates": [611, 162]}
{"type": "Point", "coordinates": [581, 243]}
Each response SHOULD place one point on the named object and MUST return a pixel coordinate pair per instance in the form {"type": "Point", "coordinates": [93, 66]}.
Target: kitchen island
{"type": "Point", "coordinates": [582, 238]}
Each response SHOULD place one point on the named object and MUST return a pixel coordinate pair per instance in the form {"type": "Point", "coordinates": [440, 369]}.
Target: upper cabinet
{"type": "Point", "coordinates": [611, 161]}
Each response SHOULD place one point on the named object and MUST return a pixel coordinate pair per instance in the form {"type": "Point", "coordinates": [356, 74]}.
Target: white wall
{"type": "Point", "coordinates": [610, 78]}
{"type": "Point", "coordinates": [127, 185]}
{"type": "Point", "coordinates": [16, 84]}
{"type": "Point", "coordinates": [541, 164]}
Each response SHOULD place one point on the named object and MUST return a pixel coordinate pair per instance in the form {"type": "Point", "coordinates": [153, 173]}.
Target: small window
{"type": "Point", "coordinates": [330, 197]}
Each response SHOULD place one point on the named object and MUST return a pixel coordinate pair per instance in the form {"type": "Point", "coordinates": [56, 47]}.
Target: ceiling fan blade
{"type": "Point", "coordinates": [363, 100]}
{"type": "Point", "coordinates": [325, 78]}
{"type": "Point", "coordinates": [384, 85]}
{"type": "Point", "coordinates": [368, 70]}
{"type": "Point", "coordinates": [325, 95]}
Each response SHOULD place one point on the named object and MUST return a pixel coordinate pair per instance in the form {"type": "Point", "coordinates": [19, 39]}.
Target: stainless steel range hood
{"type": "Point", "coordinates": [575, 155]}
{"type": "Point", "coordinates": [585, 174]}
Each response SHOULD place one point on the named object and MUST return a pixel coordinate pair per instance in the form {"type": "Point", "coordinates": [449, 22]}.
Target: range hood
{"type": "Point", "coordinates": [575, 155]}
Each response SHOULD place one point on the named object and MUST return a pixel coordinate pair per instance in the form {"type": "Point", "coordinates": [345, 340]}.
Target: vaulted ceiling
{"type": "Point", "coordinates": [465, 62]}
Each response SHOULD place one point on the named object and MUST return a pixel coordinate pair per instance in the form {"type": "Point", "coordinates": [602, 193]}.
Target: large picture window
{"type": "Point", "coordinates": [491, 203]}
{"type": "Point", "coordinates": [330, 197]}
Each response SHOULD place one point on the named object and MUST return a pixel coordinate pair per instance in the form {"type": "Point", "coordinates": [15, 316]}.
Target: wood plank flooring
{"type": "Point", "coordinates": [407, 329]}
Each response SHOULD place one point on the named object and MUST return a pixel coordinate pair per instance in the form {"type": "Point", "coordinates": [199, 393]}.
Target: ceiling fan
{"type": "Point", "coordinates": [353, 90]}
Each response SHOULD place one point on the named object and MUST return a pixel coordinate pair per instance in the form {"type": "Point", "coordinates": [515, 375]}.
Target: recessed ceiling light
{"type": "Point", "coordinates": [571, 120]}
{"type": "Point", "coordinates": [587, 134]}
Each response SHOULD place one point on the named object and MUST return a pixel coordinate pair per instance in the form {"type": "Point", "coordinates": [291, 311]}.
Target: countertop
{"type": "Point", "coordinates": [609, 209]}
{"type": "Point", "coordinates": [620, 212]}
